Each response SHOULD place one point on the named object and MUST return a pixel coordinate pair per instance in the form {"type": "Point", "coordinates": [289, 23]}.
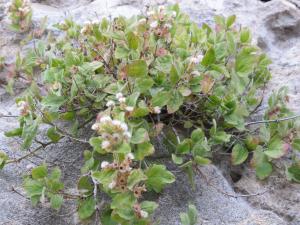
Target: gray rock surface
{"type": "Point", "coordinates": [276, 28]}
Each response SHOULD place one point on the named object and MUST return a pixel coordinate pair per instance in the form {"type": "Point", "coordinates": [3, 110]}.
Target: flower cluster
{"type": "Point", "coordinates": [23, 108]}
{"type": "Point", "coordinates": [113, 132]}
{"type": "Point", "coordinates": [122, 101]}
{"type": "Point", "coordinates": [20, 14]}
{"type": "Point", "coordinates": [123, 169]}
{"type": "Point", "coordinates": [88, 26]}
{"type": "Point", "coordinates": [161, 21]}
{"type": "Point", "coordinates": [139, 212]}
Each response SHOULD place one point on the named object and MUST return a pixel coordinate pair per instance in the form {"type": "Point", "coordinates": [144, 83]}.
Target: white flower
{"type": "Point", "coordinates": [104, 164]}
{"type": "Point", "coordinates": [130, 156]}
{"type": "Point", "coordinates": [150, 13]}
{"type": "Point", "coordinates": [154, 24]}
{"type": "Point", "coordinates": [96, 126]}
{"type": "Point", "coordinates": [200, 57]}
{"type": "Point", "coordinates": [105, 135]}
{"type": "Point", "coordinates": [112, 184]}
{"type": "Point", "coordinates": [161, 8]}
{"type": "Point", "coordinates": [105, 119]}
{"type": "Point", "coordinates": [95, 22]}
{"type": "Point", "coordinates": [105, 144]}
{"type": "Point", "coordinates": [122, 100]}
{"type": "Point", "coordinates": [30, 166]}
{"type": "Point", "coordinates": [116, 122]}
{"type": "Point", "coordinates": [174, 13]}
{"type": "Point", "coordinates": [124, 126]}
{"type": "Point", "coordinates": [127, 134]}
{"type": "Point", "coordinates": [144, 214]}
{"type": "Point", "coordinates": [143, 20]}
{"type": "Point", "coordinates": [195, 73]}
{"type": "Point", "coordinates": [83, 30]}
{"type": "Point", "coordinates": [21, 104]}
{"type": "Point", "coordinates": [119, 95]}
{"type": "Point", "coordinates": [194, 60]}
{"type": "Point", "coordinates": [157, 110]}
{"type": "Point", "coordinates": [87, 23]}
{"type": "Point", "coordinates": [167, 25]}
{"type": "Point", "coordinates": [110, 103]}
{"type": "Point", "coordinates": [116, 137]}
{"type": "Point", "coordinates": [129, 108]}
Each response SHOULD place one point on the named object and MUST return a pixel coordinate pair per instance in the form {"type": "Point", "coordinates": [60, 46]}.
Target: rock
{"type": "Point", "coordinates": [282, 197]}
{"type": "Point", "coordinates": [213, 206]}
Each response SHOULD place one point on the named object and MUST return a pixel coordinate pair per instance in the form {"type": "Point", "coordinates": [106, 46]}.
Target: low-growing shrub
{"type": "Point", "coordinates": [133, 80]}
{"type": "Point", "coordinates": [20, 14]}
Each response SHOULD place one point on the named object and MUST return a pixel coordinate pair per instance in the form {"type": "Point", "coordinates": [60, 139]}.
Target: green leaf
{"type": "Point", "coordinates": [293, 172]}
{"type": "Point", "coordinates": [104, 176]}
{"type": "Point", "coordinates": [86, 208]}
{"type": "Point", "coordinates": [191, 217]}
{"type": "Point", "coordinates": [239, 154]}
{"type": "Point", "coordinates": [245, 35]}
{"type": "Point", "coordinates": [3, 159]}
{"type": "Point", "coordinates": [221, 137]}
{"type": "Point", "coordinates": [15, 132]}
{"type": "Point", "coordinates": [245, 61]}
{"type": "Point", "coordinates": [197, 135]}
{"type": "Point", "coordinates": [53, 135]}
{"type": "Point", "coordinates": [39, 172]}
{"type": "Point", "coordinates": [144, 84]}
{"type": "Point", "coordinates": [33, 188]}
{"type": "Point", "coordinates": [140, 136]}
{"type": "Point", "coordinates": [137, 68]}
{"type": "Point", "coordinates": [174, 75]}
{"type": "Point", "coordinates": [209, 57]}
{"type": "Point", "coordinates": [95, 142]}
{"type": "Point", "coordinates": [262, 166]}
{"type": "Point", "coordinates": [135, 177]}
{"type": "Point", "coordinates": [149, 206]}
{"type": "Point", "coordinates": [143, 150]}
{"type": "Point", "coordinates": [158, 177]}
{"type": "Point", "coordinates": [296, 144]}
{"type": "Point", "coordinates": [175, 101]}
{"type": "Point", "coordinates": [201, 160]}
{"type": "Point", "coordinates": [124, 148]}
{"type": "Point", "coordinates": [121, 52]}
{"type": "Point", "coordinates": [133, 40]}
{"type": "Point", "coordinates": [122, 205]}
{"type": "Point", "coordinates": [177, 159]}
{"type": "Point", "coordinates": [275, 148]}
{"type": "Point", "coordinates": [56, 201]}
{"type": "Point", "coordinates": [29, 132]}
{"type": "Point", "coordinates": [53, 102]}
{"type": "Point", "coordinates": [92, 66]}
{"type": "Point", "coordinates": [184, 146]}
{"type": "Point", "coordinates": [161, 98]}
{"type": "Point", "coordinates": [85, 185]}
{"type": "Point", "coordinates": [230, 20]}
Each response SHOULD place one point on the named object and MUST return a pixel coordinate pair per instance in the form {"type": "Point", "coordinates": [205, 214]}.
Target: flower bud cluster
{"type": "Point", "coordinates": [20, 14]}
{"type": "Point", "coordinates": [161, 21]}
{"type": "Point", "coordinates": [123, 168]}
{"type": "Point", "coordinates": [122, 101]}
{"type": "Point", "coordinates": [112, 132]}
{"type": "Point", "coordinates": [23, 107]}
{"type": "Point", "coordinates": [196, 59]}
{"type": "Point", "coordinates": [139, 212]}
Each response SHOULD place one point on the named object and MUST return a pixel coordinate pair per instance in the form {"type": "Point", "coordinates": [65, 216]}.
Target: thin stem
{"type": "Point", "coordinates": [273, 121]}
{"type": "Point", "coordinates": [17, 160]}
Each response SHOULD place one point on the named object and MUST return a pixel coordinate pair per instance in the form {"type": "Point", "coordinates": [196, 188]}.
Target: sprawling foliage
{"type": "Point", "coordinates": [137, 79]}
{"type": "Point", "coordinates": [20, 14]}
